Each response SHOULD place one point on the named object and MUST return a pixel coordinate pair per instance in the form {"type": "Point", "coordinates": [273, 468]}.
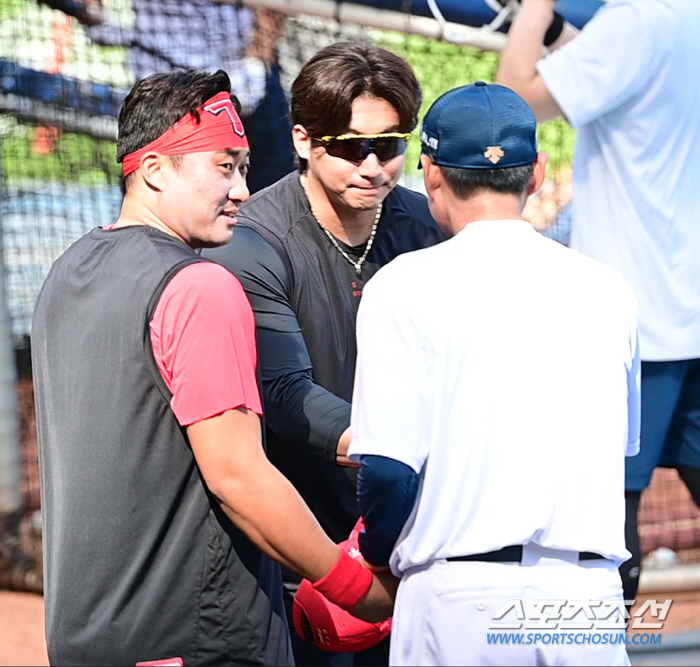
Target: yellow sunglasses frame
{"type": "Point", "coordinates": [383, 135]}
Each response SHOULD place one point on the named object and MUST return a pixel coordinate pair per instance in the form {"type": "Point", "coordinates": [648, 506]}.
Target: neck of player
{"type": "Point", "coordinates": [349, 225]}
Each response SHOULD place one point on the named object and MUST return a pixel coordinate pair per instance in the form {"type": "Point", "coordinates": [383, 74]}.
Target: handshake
{"type": "Point", "coordinates": [322, 610]}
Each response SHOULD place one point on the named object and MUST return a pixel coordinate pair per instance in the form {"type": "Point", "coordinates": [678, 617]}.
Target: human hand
{"type": "Point", "coordinates": [331, 627]}
{"type": "Point", "coordinates": [378, 604]}
{"type": "Point", "coordinates": [270, 25]}
{"type": "Point", "coordinates": [341, 452]}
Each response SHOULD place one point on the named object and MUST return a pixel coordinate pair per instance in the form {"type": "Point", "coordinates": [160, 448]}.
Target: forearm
{"type": "Point", "coordinates": [286, 531]}
{"type": "Point", "coordinates": [265, 506]}
{"type": "Point", "coordinates": [297, 410]}
{"type": "Point", "coordinates": [517, 66]}
{"type": "Point", "coordinates": [269, 27]}
{"type": "Point", "coordinates": [256, 496]}
{"type": "Point", "coordinates": [307, 415]}
{"type": "Point", "coordinates": [284, 528]}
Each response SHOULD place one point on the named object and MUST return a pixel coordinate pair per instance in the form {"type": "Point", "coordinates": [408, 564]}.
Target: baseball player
{"type": "Point", "coordinates": [210, 35]}
{"type": "Point", "coordinates": [303, 251]}
{"type": "Point", "coordinates": [636, 198]}
{"type": "Point", "coordinates": [495, 400]}
{"type": "Point", "coordinates": [156, 489]}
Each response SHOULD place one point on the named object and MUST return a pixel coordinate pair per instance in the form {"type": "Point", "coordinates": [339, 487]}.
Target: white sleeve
{"type": "Point", "coordinates": [634, 407]}
{"type": "Point", "coordinates": [391, 407]}
{"type": "Point", "coordinates": [612, 59]}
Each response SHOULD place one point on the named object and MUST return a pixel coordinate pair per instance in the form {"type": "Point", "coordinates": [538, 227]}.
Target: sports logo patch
{"type": "Point", "coordinates": [226, 105]}
{"type": "Point", "coordinates": [494, 154]}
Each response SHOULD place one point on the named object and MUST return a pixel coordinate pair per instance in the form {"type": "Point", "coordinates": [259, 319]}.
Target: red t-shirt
{"type": "Point", "coordinates": [203, 337]}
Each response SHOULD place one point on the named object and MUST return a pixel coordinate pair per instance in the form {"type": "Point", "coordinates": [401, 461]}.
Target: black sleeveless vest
{"type": "Point", "coordinates": [141, 564]}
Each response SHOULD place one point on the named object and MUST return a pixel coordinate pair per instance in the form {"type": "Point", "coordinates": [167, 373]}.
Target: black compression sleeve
{"type": "Point", "coordinates": [296, 409]}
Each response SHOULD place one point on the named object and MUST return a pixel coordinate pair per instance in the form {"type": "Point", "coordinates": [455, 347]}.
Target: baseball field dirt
{"type": "Point", "coordinates": [22, 628]}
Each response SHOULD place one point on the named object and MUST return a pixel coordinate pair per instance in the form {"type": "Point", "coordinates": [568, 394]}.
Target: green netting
{"type": "Point", "coordinates": [58, 177]}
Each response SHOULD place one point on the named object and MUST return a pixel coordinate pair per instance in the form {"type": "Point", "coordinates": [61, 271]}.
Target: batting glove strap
{"type": "Point", "coordinates": [346, 583]}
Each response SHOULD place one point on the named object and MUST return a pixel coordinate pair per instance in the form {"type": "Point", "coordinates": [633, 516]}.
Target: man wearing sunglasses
{"type": "Point", "coordinates": [303, 250]}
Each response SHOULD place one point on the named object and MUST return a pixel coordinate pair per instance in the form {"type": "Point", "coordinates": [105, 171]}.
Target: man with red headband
{"type": "Point", "coordinates": [156, 488]}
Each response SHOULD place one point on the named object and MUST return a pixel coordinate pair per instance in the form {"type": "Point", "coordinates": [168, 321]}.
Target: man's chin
{"type": "Point", "coordinates": [367, 203]}
{"type": "Point", "coordinates": [217, 241]}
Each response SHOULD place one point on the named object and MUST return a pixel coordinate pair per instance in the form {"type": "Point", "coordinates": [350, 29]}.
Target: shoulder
{"type": "Point", "coordinates": [251, 257]}
{"type": "Point", "coordinates": [630, 22]}
{"type": "Point", "coordinates": [599, 280]}
{"type": "Point", "coordinates": [275, 210]}
{"type": "Point", "coordinates": [135, 245]}
{"type": "Point", "coordinates": [589, 78]}
{"type": "Point", "coordinates": [665, 10]}
{"type": "Point", "coordinates": [401, 296]}
{"type": "Point", "coordinates": [411, 273]}
{"type": "Point", "coordinates": [169, 250]}
{"type": "Point", "coordinates": [614, 283]}
{"type": "Point", "coordinates": [408, 203]}
{"type": "Point", "coordinates": [621, 11]}
{"type": "Point", "coordinates": [246, 245]}
{"type": "Point", "coordinates": [203, 285]}
{"type": "Point", "coordinates": [407, 222]}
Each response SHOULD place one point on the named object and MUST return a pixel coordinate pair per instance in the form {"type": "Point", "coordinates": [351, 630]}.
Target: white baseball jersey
{"type": "Point", "coordinates": [503, 369]}
{"type": "Point", "coordinates": [628, 84]}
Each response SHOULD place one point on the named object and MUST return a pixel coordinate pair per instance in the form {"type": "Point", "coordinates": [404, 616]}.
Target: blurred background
{"type": "Point", "coordinates": [65, 66]}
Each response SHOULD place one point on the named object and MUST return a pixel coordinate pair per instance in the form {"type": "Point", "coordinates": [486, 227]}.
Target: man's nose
{"type": "Point", "coordinates": [239, 188]}
{"type": "Point", "coordinates": [371, 167]}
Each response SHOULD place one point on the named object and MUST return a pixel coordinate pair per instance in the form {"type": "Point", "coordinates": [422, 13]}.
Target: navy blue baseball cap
{"type": "Point", "coordinates": [480, 126]}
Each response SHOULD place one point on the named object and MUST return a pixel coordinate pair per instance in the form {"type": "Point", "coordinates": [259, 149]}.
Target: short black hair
{"type": "Point", "coordinates": [465, 183]}
{"type": "Point", "coordinates": [157, 102]}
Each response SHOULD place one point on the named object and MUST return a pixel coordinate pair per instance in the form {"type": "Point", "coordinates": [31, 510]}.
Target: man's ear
{"type": "Point", "coordinates": [302, 141]}
{"type": "Point", "coordinates": [432, 176]}
{"type": "Point", "coordinates": [538, 173]}
{"type": "Point", "coordinates": [153, 169]}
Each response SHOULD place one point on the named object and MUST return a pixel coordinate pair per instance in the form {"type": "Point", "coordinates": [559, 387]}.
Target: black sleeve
{"type": "Point", "coordinates": [296, 409]}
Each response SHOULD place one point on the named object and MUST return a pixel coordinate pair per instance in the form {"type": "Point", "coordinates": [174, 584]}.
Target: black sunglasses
{"type": "Point", "coordinates": [356, 147]}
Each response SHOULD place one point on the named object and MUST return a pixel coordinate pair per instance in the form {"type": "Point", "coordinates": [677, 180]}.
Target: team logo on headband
{"type": "Point", "coordinates": [226, 106]}
{"type": "Point", "coordinates": [494, 154]}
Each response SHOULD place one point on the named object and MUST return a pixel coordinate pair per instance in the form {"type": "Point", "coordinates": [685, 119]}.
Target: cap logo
{"type": "Point", "coordinates": [431, 142]}
{"type": "Point", "coordinates": [494, 154]}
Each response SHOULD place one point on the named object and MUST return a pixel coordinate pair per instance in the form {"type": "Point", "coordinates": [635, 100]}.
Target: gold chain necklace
{"type": "Point", "coordinates": [357, 264]}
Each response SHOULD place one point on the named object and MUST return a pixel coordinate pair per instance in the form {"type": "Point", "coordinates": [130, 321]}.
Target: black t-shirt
{"type": "Point", "coordinates": [305, 296]}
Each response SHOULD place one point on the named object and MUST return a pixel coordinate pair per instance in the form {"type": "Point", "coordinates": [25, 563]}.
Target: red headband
{"type": "Point", "coordinates": [219, 127]}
